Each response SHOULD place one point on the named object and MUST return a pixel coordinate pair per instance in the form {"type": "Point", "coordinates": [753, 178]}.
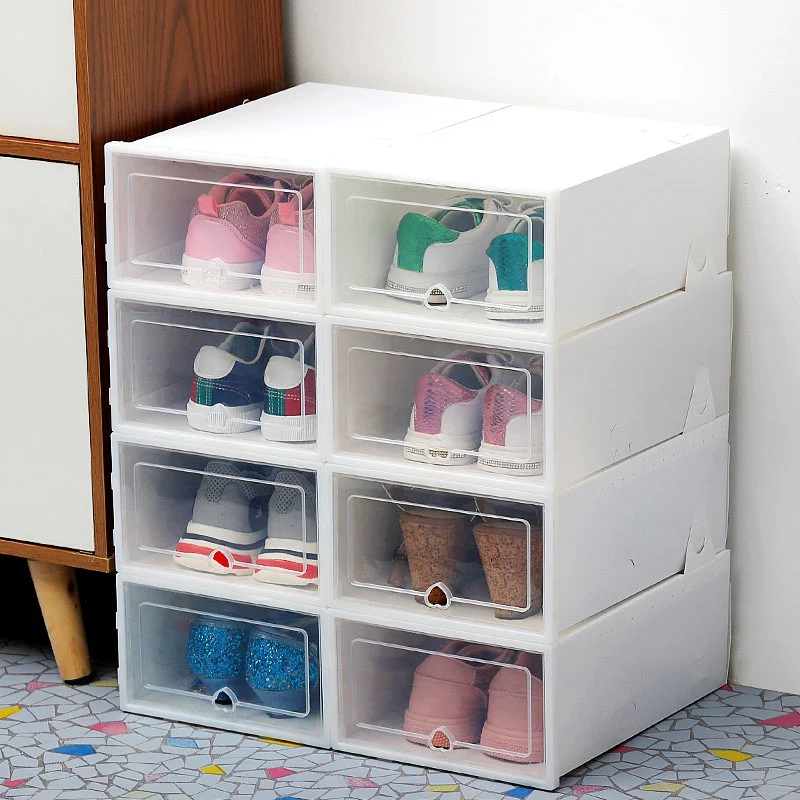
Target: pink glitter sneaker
{"type": "Point", "coordinates": [448, 405]}
{"type": "Point", "coordinates": [289, 269]}
{"type": "Point", "coordinates": [225, 242]}
{"type": "Point", "coordinates": [450, 695]}
{"type": "Point", "coordinates": [513, 438]}
{"type": "Point", "coordinates": [514, 729]}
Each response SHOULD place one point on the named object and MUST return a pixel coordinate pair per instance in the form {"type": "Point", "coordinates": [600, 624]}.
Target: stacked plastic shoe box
{"type": "Point", "coordinates": [503, 552]}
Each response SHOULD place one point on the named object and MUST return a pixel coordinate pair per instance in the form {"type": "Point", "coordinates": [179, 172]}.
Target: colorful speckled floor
{"type": "Point", "coordinates": [61, 742]}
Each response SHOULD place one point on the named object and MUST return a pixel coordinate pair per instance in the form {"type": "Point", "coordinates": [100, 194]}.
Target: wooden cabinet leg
{"type": "Point", "coordinates": [57, 592]}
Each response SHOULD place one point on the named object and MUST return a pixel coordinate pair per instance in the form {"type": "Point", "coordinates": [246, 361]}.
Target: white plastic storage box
{"type": "Point", "coordinates": [225, 664]}
{"type": "Point", "coordinates": [531, 565]}
{"type": "Point", "coordinates": [153, 185]}
{"type": "Point", "coordinates": [156, 244]}
{"type": "Point", "coordinates": [191, 514]}
{"type": "Point", "coordinates": [209, 376]}
{"type": "Point", "coordinates": [607, 393]}
{"type": "Point", "coordinates": [550, 708]}
{"type": "Point", "coordinates": [607, 213]}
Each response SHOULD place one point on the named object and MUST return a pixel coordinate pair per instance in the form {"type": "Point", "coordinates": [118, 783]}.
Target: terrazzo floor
{"type": "Point", "coordinates": [62, 742]}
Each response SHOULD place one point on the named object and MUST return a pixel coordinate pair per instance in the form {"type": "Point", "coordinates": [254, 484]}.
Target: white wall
{"type": "Point", "coordinates": [733, 63]}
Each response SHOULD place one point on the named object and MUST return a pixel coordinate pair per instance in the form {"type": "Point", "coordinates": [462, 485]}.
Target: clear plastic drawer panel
{"type": "Point", "coordinates": [220, 661]}
{"type": "Point", "coordinates": [251, 522]}
{"type": "Point", "coordinates": [460, 556]}
{"type": "Point", "coordinates": [474, 256]}
{"type": "Point", "coordinates": [215, 228]}
{"type": "Point", "coordinates": [440, 403]}
{"type": "Point", "coordinates": [465, 702]}
{"type": "Point", "coordinates": [217, 373]}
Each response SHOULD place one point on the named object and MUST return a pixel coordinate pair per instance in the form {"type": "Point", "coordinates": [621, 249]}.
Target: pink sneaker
{"type": "Point", "coordinates": [514, 729]}
{"type": "Point", "coordinates": [227, 235]}
{"type": "Point", "coordinates": [449, 697]}
{"type": "Point", "coordinates": [448, 406]}
{"type": "Point", "coordinates": [513, 439]}
{"type": "Point", "coordinates": [287, 273]}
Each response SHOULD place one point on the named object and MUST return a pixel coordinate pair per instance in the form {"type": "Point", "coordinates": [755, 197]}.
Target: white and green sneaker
{"type": "Point", "coordinates": [445, 250]}
{"type": "Point", "coordinates": [510, 295]}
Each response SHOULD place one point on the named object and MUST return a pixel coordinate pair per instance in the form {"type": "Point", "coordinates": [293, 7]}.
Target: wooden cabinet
{"type": "Point", "coordinates": [75, 74]}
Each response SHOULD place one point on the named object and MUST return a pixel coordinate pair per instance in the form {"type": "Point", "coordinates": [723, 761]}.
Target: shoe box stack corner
{"type": "Point", "coordinates": [421, 425]}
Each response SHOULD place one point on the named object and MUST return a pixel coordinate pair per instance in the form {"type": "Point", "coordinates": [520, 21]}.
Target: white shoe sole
{"type": "Point", "coordinates": [430, 448]}
{"type": "Point", "coordinates": [511, 460]}
{"type": "Point", "coordinates": [460, 283]}
{"type": "Point", "coordinates": [215, 274]}
{"type": "Point", "coordinates": [288, 285]}
{"type": "Point", "coordinates": [289, 429]}
{"type": "Point", "coordinates": [203, 563]}
{"type": "Point", "coordinates": [223, 419]}
{"type": "Point", "coordinates": [282, 577]}
{"type": "Point", "coordinates": [514, 305]}
{"type": "Point", "coordinates": [290, 551]}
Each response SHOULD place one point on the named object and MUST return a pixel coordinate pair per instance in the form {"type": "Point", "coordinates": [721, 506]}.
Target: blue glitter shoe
{"type": "Point", "coordinates": [282, 672]}
{"type": "Point", "coordinates": [216, 652]}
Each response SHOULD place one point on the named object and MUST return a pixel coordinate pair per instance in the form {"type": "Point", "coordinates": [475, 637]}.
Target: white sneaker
{"type": "Point", "coordinates": [515, 291]}
{"type": "Point", "coordinates": [229, 521]}
{"type": "Point", "coordinates": [513, 429]}
{"type": "Point", "coordinates": [227, 393]}
{"type": "Point", "coordinates": [445, 248]}
{"type": "Point", "coordinates": [290, 397]}
{"type": "Point", "coordinates": [290, 551]}
{"type": "Point", "coordinates": [446, 419]}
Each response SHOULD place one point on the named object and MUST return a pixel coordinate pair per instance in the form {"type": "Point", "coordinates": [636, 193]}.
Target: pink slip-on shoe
{"type": "Point", "coordinates": [514, 728]}
{"type": "Point", "coordinates": [513, 433]}
{"type": "Point", "coordinates": [448, 406]}
{"type": "Point", "coordinates": [449, 697]}
{"type": "Point", "coordinates": [227, 233]}
{"type": "Point", "coordinates": [289, 269]}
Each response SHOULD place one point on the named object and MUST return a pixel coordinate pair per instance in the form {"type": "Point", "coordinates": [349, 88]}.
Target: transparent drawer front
{"type": "Point", "coordinates": [456, 555]}
{"type": "Point", "coordinates": [233, 519]}
{"type": "Point", "coordinates": [405, 247]}
{"type": "Point", "coordinates": [253, 379]}
{"type": "Point", "coordinates": [212, 228]}
{"type": "Point", "coordinates": [440, 403]}
{"type": "Point", "coordinates": [222, 662]}
{"type": "Point", "coordinates": [466, 703]}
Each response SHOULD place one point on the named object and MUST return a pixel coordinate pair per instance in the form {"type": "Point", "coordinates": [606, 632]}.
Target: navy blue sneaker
{"type": "Point", "coordinates": [228, 386]}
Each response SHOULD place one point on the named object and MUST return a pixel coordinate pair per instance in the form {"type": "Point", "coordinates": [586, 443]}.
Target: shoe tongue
{"type": "Point", "coordinates": [219, 192]}
{"type": "Point", "coordinates": [291, 487]}
{"type": "Point", "coordinates": [243, 347]}
{"type": "Point", "coordinates": [519, 380]}
{"type": "Point", "coordinates": [474, 375]}
{"type": "Point", "coordinates": [458, 220]}
{"type": "Point", "coordinates": [256, 201]}
{"type": "Point", "coordinates": [532, 223]}
{"type": "Point", "coordinates": [258, 511]}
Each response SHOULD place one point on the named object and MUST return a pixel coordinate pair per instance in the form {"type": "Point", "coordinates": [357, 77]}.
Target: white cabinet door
{"type": "Point", "coordinates": [45, 472]}
{"type": "Point", "coordinates": [38, 98]}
